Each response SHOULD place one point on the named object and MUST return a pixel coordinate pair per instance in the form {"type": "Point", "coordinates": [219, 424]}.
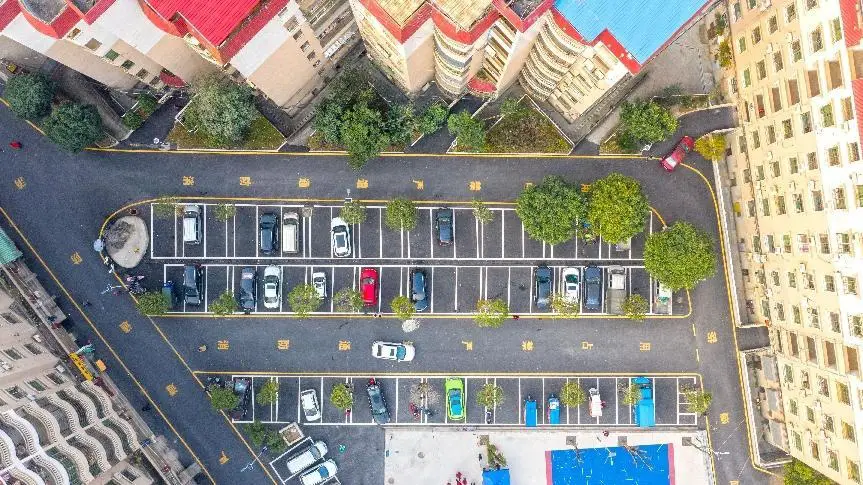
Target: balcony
{"type": "Point", "coordinates": [29, 436]}
{"type": "Point", "coordinates": [58, 472]}
{"type": "Point", "coordinates": [110, 440]}
{"type": "Point", "coordinates": [46, 420]}
{"type": "Point", "coordinates": [73, 460]}
{"type": "Point", "coordinates": [7, 447]}
{"type": "Point", "coordinates": [82, 405]}
{"type": "Point", "coordinates": [97, 459]}
{"type": "Point", "coordinates": [128, 438]}
{"type": "Point", "coordinates": [73, 420]}
{"type": "Point", "coordinates": [25, 476]}
{"type": "Point", "coordinates": [319, 13]}
{"type": "Point", "coordinates": [98, 397]}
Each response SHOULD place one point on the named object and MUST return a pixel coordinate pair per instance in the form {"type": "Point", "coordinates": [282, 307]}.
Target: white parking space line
{"type": "Point", "coordinates": [455, 299]}
{"type": "Point", "coordinates": [502, 233]}
{"type": "Point", "coordinates": [431, 297]}
{"type": "Point", "coordinates": [519, 401]}
{"type": "Point", "coordinates": [431, 233]}
{"type": "Point", "coordinates": [381, 233]}
{"type": "Point", "coordinates": [522, 240]}
{"type": "Point", "coordinates": [508, 287]}
{"type": "Point", "coordinates": [477, 228]}
{"type": "Point", "coordinates": [175, 231]}
{"type": "Point", "coordinates": [454, 238]}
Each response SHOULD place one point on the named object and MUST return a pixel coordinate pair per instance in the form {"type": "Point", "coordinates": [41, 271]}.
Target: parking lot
{"type": "Point", "coordinates": [501, 239]}
{"type": "Point", "coordinates": [670, 404]}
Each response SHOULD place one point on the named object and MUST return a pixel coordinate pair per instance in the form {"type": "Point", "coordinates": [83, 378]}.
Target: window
{"type": "Point", "coordinates": [305, 47]}
{"type": "Point", "coordinates": [832, 460]}
{"type": "Point", "coordinates": [765, 309]}
{"type": "Point", "coordinates": [13, 354]}
{"type": "Point", "coordinates": [752, 4]}
{"type": "Point", "coordinates": [142, 74]}
{"type": "Point", "coordinates": [292, 24]}
{"type": "Point", "coordinates": [798, 203]}
{"type": "Point", "coordinates": [848, 432]}
{"type": "Point", "coordinates": [835, 30]}
{"type": "Point", "coordinates": [747, 176]}
{"type": "Point", "coordinates": [811, 161]}
{"type": "Point", "coordinates": [37, 385]}
{"type": "Point", "coordinates": [858, 195]}
{"type": "Point", "coordinates": [298, 35]}
{"type": "Point", "coordinates": [817, 40]}
{"type": "Point", "coordinates": [15, 392]}
{"type": "Point", "coordinates": [787, 129]}
{"type": "Point", "coordinates": [73, 34]}
{"type": "Point", "coordinates": [772, 24]}
{"type": "Point", "coordinates": [798, 443]}
{"type": "Point", "coordinates": [747, 78]}
{"type": "Point", "coordinates": [780, 205]}
{"type": "Point", "coordinates": [808, 281]}
{"type": "Point", "coordinates": [33, 348]}
{"type": "Point", "coordinates": [814, 450]}
{"type": "Point", "coordinates": [856, 324]}
{"type": "Point", "coordinates": [792, 407]}
{"type": "Point", "coordinates": [792, 279]}
{"type": "Point", "coordinates": [737, 11]}
{"type": "Point", "coordinates": [750, 208]}
{"type": "Point", "coordinates": [839, 200]}
{"type": "Point", "coordinates": [316, 64]}
{"type": "Point", "coordinates": [790, 12]}
{"type": "Point", "coordinates": [311, 56]}
{"type": "Point", "coordinates": [786, 238]}
{"type": "Point", "coordinates": [824, 243]}
{"type": "Point", "coordinates": [835, 325]}
{"type": "Point", "coordinates": [55, 378]}
{"type": "Point", "coordinates": [806, 122]}
{"type": "Point", "coordinates": [127, 64]}
{"type": "Point", "coordinates": [756, 140]}
{"type": "Point", "coordinates": [765, 207]}
{"type": "Point", "coordinates": [817, 201]}
{"type": "Point", "coordinates": [771, 134]}
{"type": "Point", "coordinates": [93, 44]}
{"type": "Point", "coordinates": [849, 285]}
{"type": "Point", "coordinates": [796, 51]}
{"type": "Point", "coordinates": [823, 386]}
{"type": "Point", "coordinates": [756, 244]}
{"type": "Point", "coordinates": [756, 35]}
{"type": "Point", "coordinates": [111, 55]}
{"type": "Point", "coordinates": [796, 316]}
{"type": "Point", "coordinates": [853, 470]}
{"type": "Point", "coordinates": [810, 414]}
{"type": "Point", "coordinates": [833, 156]}
{"type": "Point", "coordinates": [853, 152]}
{"type": "Point", "coordinates": [843, 243]}
{"type": "Point", "coordinates": [780, 312]}
{"type": "Point", "coordinates": [842, 393]}
{"type": "Point", "coordinates": [847, 109]}
{"type": "Point", "coordinates": [741, 143]}
{"type": "Point", "coordinates": [792, 165]}
{"type": "Point", "coordinates": [777, 61]}
{"type": "Point", "coordinates": [741, 44]}
{"type": "Point", "coordinates": [827, 115]}
{"type": "Point", "coordinates": [759, 172]}
{"type": "Point", "coordinates": [771, 243]}
{"type": "Point", "coordinates": [760, 70]}
{"type": "Point", "coordinates": [829, 283]}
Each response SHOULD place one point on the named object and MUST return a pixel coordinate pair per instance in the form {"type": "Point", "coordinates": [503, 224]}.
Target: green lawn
{"type": "Point", "coordinates": [262, 136]}
{"type": "Point", "coordinates": [612, 146]}
{"type": "Point", "coordinates": [525, 132]}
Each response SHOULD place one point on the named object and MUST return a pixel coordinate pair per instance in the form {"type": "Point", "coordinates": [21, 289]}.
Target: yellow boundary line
{"type": "Point", "coordinates": [446, 373]}
{"type": "Point", "coordinates": [733, 320]}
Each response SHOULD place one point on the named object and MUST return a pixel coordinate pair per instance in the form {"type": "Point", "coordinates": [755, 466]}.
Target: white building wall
{"type": "Point", "coordinates": [126, 20]}
{"type": "Point", "coordinates": [265, 43]}
{"type": "Point", "coordinates": [22, 32]}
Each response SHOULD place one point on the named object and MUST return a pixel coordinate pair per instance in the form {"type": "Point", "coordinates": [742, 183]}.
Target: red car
{"type": "Point", "coordinates": [369, 286]}
{"type": "Point", "coordinates": [676, 156]}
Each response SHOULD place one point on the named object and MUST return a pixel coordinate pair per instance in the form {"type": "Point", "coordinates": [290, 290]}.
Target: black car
{"type": "Point", "coordinates": [243, 389]}
{"type": "Point", "coordinates": [377, 403]}
{"type": "Point", "coordinates": [193, 282]}
{"type": "Point", "coordinates": [542, 287]}
{"type": "Point", "coordinates": [443, 224]}
{"type": "Point", "coordinates": [592, 288]}
{"type": "Point", "coordinates": [419, 293]}
{"type": "Point", "coordinates": [269, 227]}
{"type": "Point", "coordinates": [248, 297]}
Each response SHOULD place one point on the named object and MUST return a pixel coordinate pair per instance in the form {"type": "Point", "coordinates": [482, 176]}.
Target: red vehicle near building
{"type": "Point", "coordinates": [369, 286]}
{"type": "Point", "coordinates": [677, 155]}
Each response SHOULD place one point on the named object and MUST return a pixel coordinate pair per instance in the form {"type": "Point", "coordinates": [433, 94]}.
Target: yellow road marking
{"type": "Point", "coordinates": [468, 344]}
{"type": "Point", "coordinates": [344, 345]}
{"type": "Point", "coordinates": [697, 356]}
{"type": "Point", "coordinates": [76, 258]}
{"type": "Point", "coordinates": [585, 345]}
{"type": "Point", "coordinates": [245, 181]}
{"type": "Point", "coordinates": [283, 344]}
{"type": "Point", "coordinates": [172, 389]}
{"type": "Point", "coordinates": [527, 345]}
{"type": "Point", "coordinates": [723, 418]}
{"type": "Point", "coordinates": [711, 337]}
{"type": "Point", "coordinates": [125, 326]}
{"type": "Point", "coordinates": [223, 458]}
{"type": "Point", "coordinates": [20, 183]}
{"type": "Point", "coordinates": [475, 185]}
{"type": "Point", "coordinates": [304, 183]}
{"type": "Point", "coordinates": [188, 180]}
{"type": "Point", "coordinates": [644, 346]}
{"type": "Point", "coordinates": [693, 331]}
{"type": "Point", "coordinates": [362, 183]}
{"type": "Point", "coordinates": [223, 345]}
{"type": "Point", "coordinates": [420, 184]}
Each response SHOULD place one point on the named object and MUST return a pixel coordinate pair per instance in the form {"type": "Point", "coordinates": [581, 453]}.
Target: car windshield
{"type": "Point", "coordinates": [400, 352]}
{"type": "Point", "coordinates": [455, 401]}
{"type": "Point", "coordinates": [368, 281]}
{"type": "Point", "coordinates": [571, 279]}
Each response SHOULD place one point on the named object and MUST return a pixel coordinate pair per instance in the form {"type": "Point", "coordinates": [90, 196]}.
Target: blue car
{"type": "Point", "coordinates": [419, 293]}
{"type": "Point", "coordinates": [592, 288]}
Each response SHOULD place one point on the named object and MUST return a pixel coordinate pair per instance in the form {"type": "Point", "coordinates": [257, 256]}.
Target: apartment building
{"type": "Point", "coordinates": [797, 190]}
{"type": "Point", "coordinates": [566, 52]}
{"type": "Point", "coordinates": [283, 48]}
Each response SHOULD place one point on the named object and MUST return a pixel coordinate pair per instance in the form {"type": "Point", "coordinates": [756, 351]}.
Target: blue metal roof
{"type": "Point", "coordinates": [642, 26]}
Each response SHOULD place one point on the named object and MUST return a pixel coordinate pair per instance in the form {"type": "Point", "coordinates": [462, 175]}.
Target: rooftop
{"type": "Point", "coordinates": [464, 13]}
{"type": "Point", "coordinates": [213, 19]}
{"type": "Point", "coordinates": [44, 10]}
{"type": "Point", "coordinates": [523, 8]}
{"type": "Point", "coordinates": [84, 5]}
{"type": "Point", "coordinates": [626, 20]}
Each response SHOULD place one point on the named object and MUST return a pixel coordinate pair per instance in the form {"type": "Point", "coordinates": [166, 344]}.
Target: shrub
{"type": "Point", "coordinates": [481, 212]}
{"type": "Point", "coordinates": [572, 395]}
{"type": "Point", "coordinates": [268, 393]}
{"type": "Point", "coordinates": [74, 126]}
{"type": "Point", "coordinates": [563, 306]}
{"type": "Point", "coordinates": [153, 303]}
{"type": "Point", "coordinates": [433, 118]}
{"type": "Point", "coordinates": [147, 104]}
{"type": "Point", "coordinates": [223, 397]}
{"type": "Point", "coordinates": [468, 131]}
{"type": "Point", "coordinates": [723, 54]}
{"type": "Point", "coordinates": [222, 110]}
{"type": "Point", "coordinates": [635, 307]}
{"type": "Point", "coordinates": [342, 396]}
{"type": "Point", "coordinates": [491, 313]}
{"type": "Point", "coordinates": [353, 212]}
{"type": "Point", "coordinates": [617, 208]}
{"type": "Point", "coordinates": [133, 120]}
{"type": "Point", "coordinates": [550, 210]}
{"type": "Point", "coordinates": [225, 304]}
{"type": "Point", "coordinates": [680, 256]}
{"type": "Point", "coordinates": [631, 394]}
{"type": "Point", "coordinates": [225, 212]}
{"type": "Point", "coordinates": [403, 307]}
{"type": "Point", "coordinates": [348, 300]}
{"type": "Point", "coordinates": [303, 300]}
{"type": "Point", "coordinates": [400, 214]}
{"type": "Point", "coordinates": [490, 396]}
{"type": "Point", "coordinates": [646, 122]}
{"type": "Point", "coordinates": [30, 95]}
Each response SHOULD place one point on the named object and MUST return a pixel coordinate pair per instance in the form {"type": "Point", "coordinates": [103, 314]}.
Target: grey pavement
{"type": "Point", "coordinates": [82, 190]}
{"type": "Point", "coordinates": [160, 123]}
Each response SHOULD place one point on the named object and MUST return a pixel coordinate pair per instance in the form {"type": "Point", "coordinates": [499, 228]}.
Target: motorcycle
{"type": "Point", "coordinates": [415, 410]}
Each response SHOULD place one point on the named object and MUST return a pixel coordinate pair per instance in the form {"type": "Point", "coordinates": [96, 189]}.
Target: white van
{"type": "Point", "coordinates": [192, 230]}
{"type": "Point", "coordinates": [320, 473]}
{"type": "Point", "coordinates": [307, 457]}
{"type": "Point", "coordinates": [291, 233]}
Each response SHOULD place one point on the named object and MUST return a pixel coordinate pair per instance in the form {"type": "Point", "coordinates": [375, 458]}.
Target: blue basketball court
{"type": "Point", "coordinates": [642, 465]}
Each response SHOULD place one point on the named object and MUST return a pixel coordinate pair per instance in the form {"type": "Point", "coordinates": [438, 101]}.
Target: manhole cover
{"type": "Point", "coordinates": [391, 480]}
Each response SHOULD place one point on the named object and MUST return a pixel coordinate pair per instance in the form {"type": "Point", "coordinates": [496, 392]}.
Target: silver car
{"type": "Point", "coordinates": [319, 281]}
{"type": "Point", "coordinates": [341, 238]}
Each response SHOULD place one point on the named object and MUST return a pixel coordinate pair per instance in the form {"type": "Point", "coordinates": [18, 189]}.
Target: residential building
{"type": "Point", "coordinates": [797, 192]}
{"type": "Point", "coordinates": [566, 52]}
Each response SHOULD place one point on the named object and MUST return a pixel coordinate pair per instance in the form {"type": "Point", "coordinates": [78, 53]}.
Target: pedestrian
{"type": "Point", "coordinates": [146, 407]}
{"type": "Point", "coordinates": [15, 144]}
{"type": "Point", "coordinates": [85, 303]}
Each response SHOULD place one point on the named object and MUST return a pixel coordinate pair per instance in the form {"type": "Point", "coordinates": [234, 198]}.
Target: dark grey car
{"type": "Point", "coordinates": [377, 403]}
{"type": "Point", "coordinates": [592, 288]}
{"type": "Point", "coordinates": [419, 290]}
{"type": "Point", "coordinates": [269, 232]}
{"type": "Point", "coordinates": [248, 297]}
{"type": "Point", "coordinates": [193, 281]}
{"type": "Point", "coordinates": [444, 225]}
{"type": "Point", "coordinates": [542, 287]}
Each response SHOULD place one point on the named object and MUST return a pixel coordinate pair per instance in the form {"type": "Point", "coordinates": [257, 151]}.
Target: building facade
{"type": "Point", "coordinates": [797, 191]}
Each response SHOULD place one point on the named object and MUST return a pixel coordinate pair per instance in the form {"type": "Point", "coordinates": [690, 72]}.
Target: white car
{"type": "Point", "coordinates": [319, 281]}
{"type": "Point", "coordinates": [341, 238]}
{"type": "Point", "coordinates": [320, 473]}
{"type": "Point", "coordinates": [309, 403]}
{"type": "Point", "coordinates": [272, 287]}
{"type": "Point", "coordinates": [393, 351]}
{"type": "Point", "coordinates": [571, 284]}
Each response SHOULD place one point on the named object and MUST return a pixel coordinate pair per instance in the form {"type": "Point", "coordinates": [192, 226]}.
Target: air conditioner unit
{"type": "Point", "coordinates": [37, 337]}
{"type": "Point", "coordinates": [802, 267]}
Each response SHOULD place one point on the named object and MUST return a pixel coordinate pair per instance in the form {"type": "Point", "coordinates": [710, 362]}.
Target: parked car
{"type": "Point", "coordinates": [444, 226]}
{"type": "Point", "coordinates": [572, 284]}
{"type": "Point", "coordinates": [542, 287]}
{"type": "Point", "coordinates": [319, 281]}
{"type": "Point", "coordinates": [419, 294]}
{"type": "Point", "coordinates": [677, 155]}
{"type": "Point", "coordinates": [369, 286]}
{"type": "Point", "coordinates": [320, 473]}
{"type": "Point", "coordinates": [454, 390]}
{"type": "Point", "coordinates": [290, 233]}
{"type": "Point", "coordinates": [377, 403]}
{"type": "Point", "coordinates": [243, 389]}
{"type": "Point", "coordinates": [272, 287]}
{"type": "Point", "coordinates": [393, 351]}
{"type": "Point", "coordinates": [269, 226]}
{"type": "Point", "coordinates": [341, 238]}
{"type": "Point", "coordinates": [193, 284]}
{"type": "Point", "coordinates": [248, 297]}
{"type": "Point", "coordinates": [309, 403]}
{"type": "Point", "coordinates": [592, 288]}
{"type": "Point", "coordinates": [307, 457]}
{"type": "Point", "coordinates": [192, 225]}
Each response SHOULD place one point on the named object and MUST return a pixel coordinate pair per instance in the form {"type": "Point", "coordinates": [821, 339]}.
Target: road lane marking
{"type": "Point", "coordinates": [20, 183]}
{"type": "Point", "coordinates": [188, 180]}
{"type": "Point", "coordinates": [76, 258]}
{"type": "Point", "coordinates": [245, 181]}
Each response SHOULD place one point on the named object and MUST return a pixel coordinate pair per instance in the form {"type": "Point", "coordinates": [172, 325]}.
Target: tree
{"type": "Point", "coordinates": [225, 304]}
{"type": "Point", "coordinates": [433, 118]}
{"type": "Point", "coordinates": [30, 95]}
{"type": "Point", "coordinates": [303, 300]}
{"type": "Point", "coordinates": [711, 147]}
{"type": "Point", "coordinates": [481, 211]}
{"type": "Point", "coordinates": [328, 120]}
{"type": "Point", "coordinates": [645, 122]}
{"type": "Point", "coordinates": [697, 400]}
{"type": "Point", "coordinates": [799, 473]}
{"type": "Point", "coordinates": [403, 307]}
{"type": "Point", "coordinates": [223, 397]}
{"type": "Point", "coordinates": [353, 212]}
{"type": "Point", "coordinates": [274, 441]}
{"type": "Point", "coordinates": [631, 394]}
{"type": "Point", "coordinates": [348, 300]}
{"type": "Point", "coordinates": [563, 306]}
{"type": "Point", "coordinates": [490, 396]}
{"type": "Point", "coordinates": [257, 432]}
{"type": "Point", "coordinates": [401, 214]}
{"type": "Point", "coordinates": [400, 124]}
{"type": "Point", "coordinates": [468, 131]}
{"type": "Point", "coordinates": [74, 126]}
{"type": "Point", "coordinates": [491, 313]}
{"type": "Point", "coordinates": [617, 208]}
{"type": "Point", "coordinates": [268, 393]}
{"type": "Point", "coordinates": [679, 256]}
{"type": "Point", "coordinates": [153, 303]}
{"type": "Point", "coordinates": [723, 54]}
{"type": "Point", "coordinates": [342, 396]}
{"type": "Point", "coordinates": [572, 395]}
{"type": "Point", "coordinates": [635, 307]}
{"type": "Point", "coordinates": [225, 212]}
{"type": "Point", "coordinates": [362, 135]}
{"type": "Point", "coordinates": [550, 210]}
{"type": "Point", "coordinates": [167, 208]}
{"type": "Point", "coordinates": [133, 120]}
{"type": "Point", "coordinates": [222, 110]}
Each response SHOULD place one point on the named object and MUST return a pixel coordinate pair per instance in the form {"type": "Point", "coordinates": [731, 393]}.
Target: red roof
{"type": "Point", "coordinates": [213, 19]}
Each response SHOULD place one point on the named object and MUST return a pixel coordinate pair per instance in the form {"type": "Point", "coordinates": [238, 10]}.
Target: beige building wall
{"type": "Point", "coordinates": [795, 169]}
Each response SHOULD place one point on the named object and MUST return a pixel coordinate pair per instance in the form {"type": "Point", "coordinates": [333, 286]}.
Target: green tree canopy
{"type": "Point", "coordinates": [572, 395]}
{"type": "Point", "coordinates": [645, 122]}
{"type": "Point", "coordinates": [153, 303]}
{"type": "Point", "coordinates": [433, 118]}
{"type": "Point", "coordinates": [353, 212]}
{"type": "Point", "coordinates": [268, 393]}
{"type": "Point", "coordinates": [799, 473]}
{"type": "Point", "coordinates": [257, 432]}
{"type": "Point", "coordinates": [563, 306]}
{"type": "Point", "coordinates": [225, 304]}
{"type": "Point", "coordinates": [225, 212]}
{"type": "Point", "coordinates": [711, 147]}
{"type": "Point", "coordinates": [617, 209]}
{"type": "Point", "coordinates": [551, 210]}
{"type": "Point", "coordinates": [342, 396]}
{"type": "Point", "coordinates": [468, 131]}
{"type": "Point", "coordinates": [303, 300]}
{"type": "Point", "coordinates": [400, 214]}
{"type": "Point", "coordinates": [481, 211]}
{"type": "Point", "coordinates": [400, 124]}
{"type": "Point", "coordinates": [403, 307]}
{"type": "Point", "coordinates": [348, 300]}
{"type": "Point", "coordinates": [30, 95]}
{"type": "Point", "coordinates": [491, 313]}
{"type": "Point", "coordinates": [697, 400]}
{"type": "Point", "coordinates": [490, 396]}
{"type": "Point", "coordinates": [222, 110]}
{"type": "Point", "coordinates": [362, 135]}
{"type": "Point", "coordinates": [74, 126]}
{"type": "Point", "coordinates": [223, 397]}
{"type": "Point", "coordinates": [635, 307]}
{"type": "Point", "coordinates": [680, 256]}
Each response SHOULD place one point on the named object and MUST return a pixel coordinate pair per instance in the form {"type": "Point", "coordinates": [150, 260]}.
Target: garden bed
{"type": "Point", "coordinates": [528, 131]}
{"type": "Point", "coordinates": [611, 146]}
{"type": "Point", "coordinates": [262, 136]}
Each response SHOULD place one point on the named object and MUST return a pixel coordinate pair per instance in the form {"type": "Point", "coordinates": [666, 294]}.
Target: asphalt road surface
{"type": "Point", "coordinates": [58, 202]}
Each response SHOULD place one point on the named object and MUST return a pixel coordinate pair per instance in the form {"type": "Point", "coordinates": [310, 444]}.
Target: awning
{"type": "Point", "coordinates": [777, 434]}
{"type": "Point", "coordinates": [774, 400]}
{"type": "Point", "coordinates": [768, 365]}
{"type": "Point", "coordinates": [8, 251]}
{"type": "Point", "coordinates": [496, 477]}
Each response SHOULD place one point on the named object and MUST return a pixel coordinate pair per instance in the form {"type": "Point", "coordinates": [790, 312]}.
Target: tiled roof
{"type": "Point", "coordinates": [641, 26]}
{"type": "Point", "coordinates": [213, 19]}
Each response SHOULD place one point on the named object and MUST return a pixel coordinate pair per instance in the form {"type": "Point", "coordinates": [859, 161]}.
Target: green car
{"type": "Point", "coordinates": [454, 388]}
